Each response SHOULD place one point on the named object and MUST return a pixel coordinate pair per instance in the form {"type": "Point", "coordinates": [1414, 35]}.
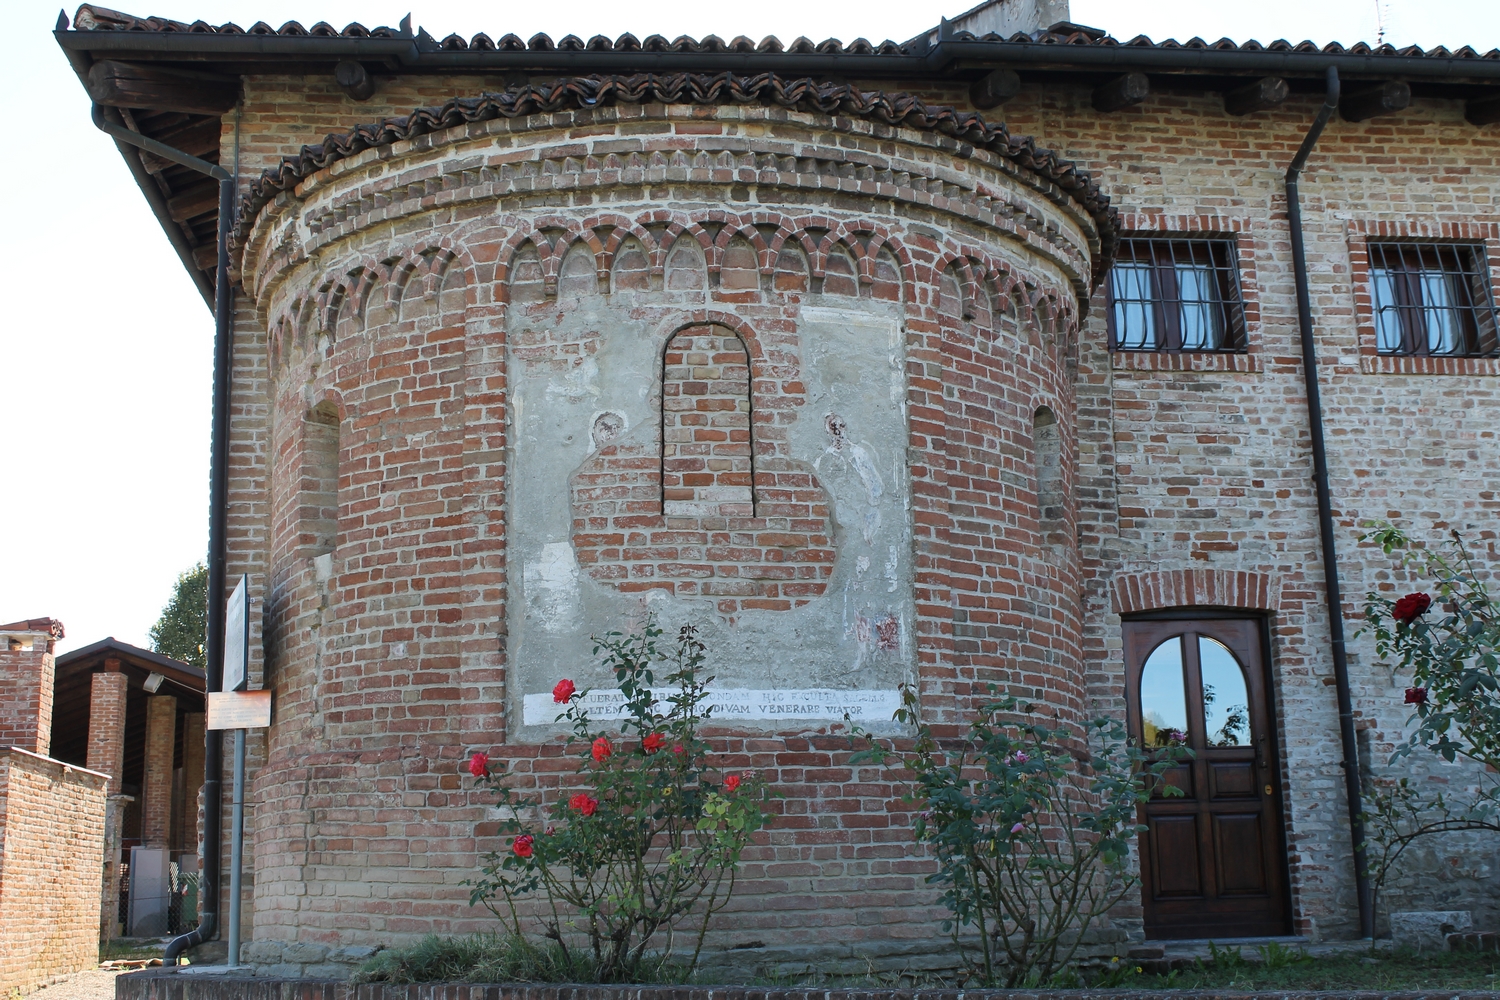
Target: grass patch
{"type": "Point", "coordinates": [127, 948]}
{"type": "Point", "coordinates": [481, 958]}
{"type": "Point", "coordinates": [1273, 967]}
{"type": "Point", "coordinates": [503, 958]}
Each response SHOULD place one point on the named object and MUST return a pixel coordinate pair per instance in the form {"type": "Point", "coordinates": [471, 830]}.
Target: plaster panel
{"type": "Point", "coordinates": [580, 359]}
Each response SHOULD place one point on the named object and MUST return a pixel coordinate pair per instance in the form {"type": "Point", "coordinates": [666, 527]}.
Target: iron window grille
{"type": "Point", "coordinates": [1432, 299]}
{"type": "Point", "coordinates": [1175, 295]}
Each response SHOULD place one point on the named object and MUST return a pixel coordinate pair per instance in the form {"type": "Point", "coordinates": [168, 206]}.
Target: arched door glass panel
{"type": "Point", "coordinates": [1164, 717]}
{"type": "Point", "coordinates": [1226, 702]}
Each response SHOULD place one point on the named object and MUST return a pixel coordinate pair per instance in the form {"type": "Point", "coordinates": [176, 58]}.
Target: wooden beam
{"type": "Point", "coordinates": [354, 80]}
{"type": "Point", "coordinates": [196, 200]}
{"type": "Point", "coordinates": [995, 89]}
{"type": "Point", "coordinates": [206, 256]}
{"type": "Point", "coordinates": [1262, 95]}
{"type": "Point", "coordinates": [1122, 92]}
{"type": "Point", "coordinates": [198, 139]}
{"type": "Point", "coordinates": [127, 85]}
{"type": "Point", "coordinates": [1381, 99]}
{"type": "Point", "coordinates": [1482, 110]}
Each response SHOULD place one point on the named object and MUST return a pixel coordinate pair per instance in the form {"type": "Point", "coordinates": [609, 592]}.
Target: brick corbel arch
{"type": "Point", "coordinates": [1185, 588]}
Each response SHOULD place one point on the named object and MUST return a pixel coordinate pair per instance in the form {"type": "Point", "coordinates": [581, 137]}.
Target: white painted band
{"type": "Point", "coordinates": [736, 703]}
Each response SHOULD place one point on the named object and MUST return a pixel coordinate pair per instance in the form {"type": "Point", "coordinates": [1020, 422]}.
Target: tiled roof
{"type": "Point", "coordinates": [92, 18]}
{"type": "Point", "coordinates": [697, 88]}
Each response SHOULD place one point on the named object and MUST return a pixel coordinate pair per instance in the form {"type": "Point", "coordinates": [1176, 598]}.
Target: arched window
{"type": "Point", "coordinates": [320, 480]}
{"type": "Point", "coordinates": [707, 461]}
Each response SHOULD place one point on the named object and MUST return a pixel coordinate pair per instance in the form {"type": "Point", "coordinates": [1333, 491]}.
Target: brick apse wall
{"type": "Point", "coordinates": [447, 269]}
{"type": "Point", "coordinates": [51, 854]}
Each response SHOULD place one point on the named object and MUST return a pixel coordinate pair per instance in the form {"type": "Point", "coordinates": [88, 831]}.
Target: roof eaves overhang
{"type": "Point", "coordinates": [79, 58]}
{"type": "Point", "coordinates": [181, 674]}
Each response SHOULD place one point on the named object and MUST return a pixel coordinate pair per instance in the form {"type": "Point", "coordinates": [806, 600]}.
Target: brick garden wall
{"type": "Point", "coordinates": [51, 854]}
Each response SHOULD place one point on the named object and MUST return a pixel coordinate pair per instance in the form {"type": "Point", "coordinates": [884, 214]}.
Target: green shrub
{"type": "Point", "coordinates": [1031, 825]}
{"type": "Point", "coordinates": [476, 958]}
{"type": "Point", "coordinates": [647, 846]}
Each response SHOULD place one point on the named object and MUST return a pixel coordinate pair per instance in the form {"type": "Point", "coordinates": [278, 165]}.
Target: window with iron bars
{"type": "Point", "coordinates": [1432, 298]}
{"type": "Point", "coordinates": [1175, 295]}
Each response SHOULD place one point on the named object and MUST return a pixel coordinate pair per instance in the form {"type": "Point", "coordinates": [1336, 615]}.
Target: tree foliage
{"type": "Point", "coordinates": [182, 629]}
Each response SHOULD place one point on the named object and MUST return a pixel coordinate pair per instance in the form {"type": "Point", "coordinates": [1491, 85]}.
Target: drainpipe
{"type": "Point", "coordinates": [1347, 738]}
{"type": "Point", "coordinates": [213, 756]}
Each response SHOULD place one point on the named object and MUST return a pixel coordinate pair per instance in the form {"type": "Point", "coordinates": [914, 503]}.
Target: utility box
{"type": "Point", "coordinates": [150, 892]}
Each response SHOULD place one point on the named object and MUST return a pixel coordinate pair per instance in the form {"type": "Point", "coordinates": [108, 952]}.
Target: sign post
{"type": "Point", "coordinates": [237, 709]}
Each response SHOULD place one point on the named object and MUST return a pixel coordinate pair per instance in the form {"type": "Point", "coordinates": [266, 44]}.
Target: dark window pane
{"type": "Point", "coordinates": [1431, 298]}
{"type": "Point", "coordinates": [1175, 295]}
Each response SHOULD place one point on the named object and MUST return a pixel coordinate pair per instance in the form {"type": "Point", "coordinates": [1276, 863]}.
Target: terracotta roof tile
{"type": "Point", "coordinates": [94, 18]}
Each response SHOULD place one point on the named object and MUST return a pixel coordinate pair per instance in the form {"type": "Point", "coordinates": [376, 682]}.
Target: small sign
{"type": "Point", "coordinates": [236, 637]}
{"type": "Point", "coordinates": [239, 709]}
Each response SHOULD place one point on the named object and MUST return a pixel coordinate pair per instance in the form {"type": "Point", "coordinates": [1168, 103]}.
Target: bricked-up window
{"type": "Point", "coordinates": [320, 480]}
{"type": "Point", "coordinates": [1432, 298]}
{"type": "Point", "coordinates": [1175, 295]}
{"type": "Point", "coordinates": [707, 466]}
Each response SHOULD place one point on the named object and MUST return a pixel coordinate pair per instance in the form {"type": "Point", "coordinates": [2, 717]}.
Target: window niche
{"type": "Point", "coordinates": [707, 461]}
{"type": "Point", "coordinates": [1046, 442]}
{"type": "Point", "coordinates": [319, 507]}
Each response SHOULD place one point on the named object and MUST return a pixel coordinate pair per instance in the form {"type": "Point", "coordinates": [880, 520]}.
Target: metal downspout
{"type": "Point", "coordinates": [1347, 737]}
{"type": "Point", "coordinates": [213, 756]}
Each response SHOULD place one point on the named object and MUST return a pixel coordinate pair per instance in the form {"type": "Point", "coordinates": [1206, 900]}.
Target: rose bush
{"type": "Point", "coordinates": [1453, 656]}
{"type": "Point", "coordinates": [1031, 824]}
{"type": "Point", "coordinates": [649, 847]}
{"type": "Point", "coordinates": [1455, 696]}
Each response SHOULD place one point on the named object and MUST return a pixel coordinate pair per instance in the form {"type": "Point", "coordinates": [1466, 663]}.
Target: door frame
{"type": "Point", "coordinates": [1262, 619]}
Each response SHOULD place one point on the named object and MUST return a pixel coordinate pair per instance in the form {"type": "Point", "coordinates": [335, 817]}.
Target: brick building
{"type": "Point", "coordinates": [798, 342]}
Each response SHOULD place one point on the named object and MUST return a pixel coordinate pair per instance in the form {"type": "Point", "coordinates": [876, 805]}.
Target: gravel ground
{"type": "Point", "coordinates": [95, 984]}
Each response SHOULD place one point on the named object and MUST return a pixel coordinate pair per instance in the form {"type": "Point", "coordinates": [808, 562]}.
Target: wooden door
{"type": "Point", "coordinates": [1212, 860]}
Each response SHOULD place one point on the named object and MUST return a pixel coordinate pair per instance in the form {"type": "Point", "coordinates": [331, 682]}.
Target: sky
{"type": "Point", "coordinates": [105, 345]}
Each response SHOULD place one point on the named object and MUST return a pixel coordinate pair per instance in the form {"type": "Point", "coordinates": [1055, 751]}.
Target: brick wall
{"type": "Point", "coordinates": [675, 512]}
{"type": "Point", "coordinates": [51, 852]}
{"type": "Point", "coordinates": [1202, 466]}
{"type": "Point", "coordinates": [26, 670]}
{"type": "Point", "coordinates": [1186, 475]}
{"type": "Point", "coordinates": [390, 667]}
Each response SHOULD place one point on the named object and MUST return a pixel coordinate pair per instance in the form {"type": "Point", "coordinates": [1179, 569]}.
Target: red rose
{"type": "Point", "coordinates": [653, 742]}
{"type": "Point", "coordinates": [732, 782]}
{"type": "Point", "coordinates": [602, 750]}
{"type": "Point", "coordinates": [479, 765]}
{"type": "Point", "coordinates": [563, 693]}
{"type": "Point", "coordinates": [1411, 607]}
{"type": "Point", "coordinates": [1416, 696]}
{"type": "Point", "coordinates": [522, 845]}
{"type": "Point", "coordinates": [585, 804]}
{"type": "Point", "coordinates": [679, 750]}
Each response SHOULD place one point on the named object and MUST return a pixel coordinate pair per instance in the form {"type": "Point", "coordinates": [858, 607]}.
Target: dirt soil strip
{"type": "Point", "coordinates": [95, 984]}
